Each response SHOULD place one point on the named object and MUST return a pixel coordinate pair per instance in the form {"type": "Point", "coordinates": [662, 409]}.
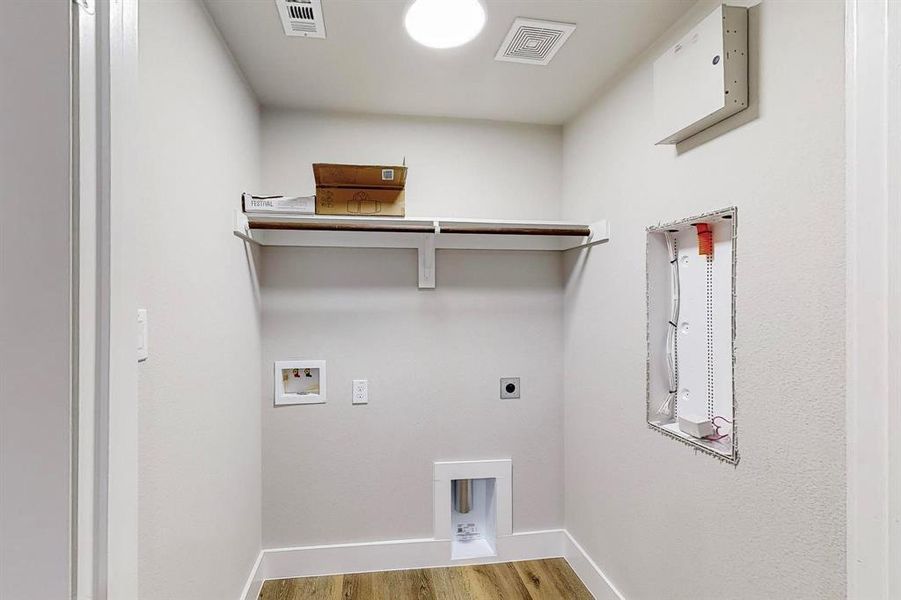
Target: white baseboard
{"type": "Point", "coordinates": [590, 574]}
{"type": "Point", "coordinates": [400, 554]}
{"type": "Point", "coordinates": [308, 561]}
{"type": "Point", "coordinates": [254, 583]}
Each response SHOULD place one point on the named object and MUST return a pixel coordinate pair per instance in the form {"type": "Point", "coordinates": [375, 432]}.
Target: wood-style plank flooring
{"type": "Point", "coordinates": [550, 579]}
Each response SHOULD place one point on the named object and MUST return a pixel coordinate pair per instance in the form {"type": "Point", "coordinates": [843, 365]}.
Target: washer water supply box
{"type": "Point", "coordinates": [361, 190]}
{"type": "Point", "coordinates": [703, 79]}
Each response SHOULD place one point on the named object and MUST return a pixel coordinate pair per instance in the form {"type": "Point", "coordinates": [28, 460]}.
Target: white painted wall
{"type": "Point", "coordinates": [35, 301]}
{"type": "Point", "coordinates": [477, 169]}
{"type": "Point", "coordinates": [199, 487]}
{"type": "Point", "coordinates": [663, 521]}
{"type": "Point", "coordinates": [339, 473]}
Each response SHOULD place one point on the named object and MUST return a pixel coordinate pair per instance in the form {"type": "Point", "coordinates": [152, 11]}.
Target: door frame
{"type": "Point", "coordinates": [105, 140]}
{"type": "Point", "coordinates": [873, 295]}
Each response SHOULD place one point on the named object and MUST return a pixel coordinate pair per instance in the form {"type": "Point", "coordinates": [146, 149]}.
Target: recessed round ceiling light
{"type": "Point", "coordinates": [444, 23]}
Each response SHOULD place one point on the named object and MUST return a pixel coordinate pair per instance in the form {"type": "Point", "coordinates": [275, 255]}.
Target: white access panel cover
{"type": "Point", "coordinates": [703, 79]}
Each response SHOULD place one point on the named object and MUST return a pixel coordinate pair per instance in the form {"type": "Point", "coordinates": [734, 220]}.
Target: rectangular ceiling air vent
{"type": "Point", "coordinates": [533, 42]}
{"type": "Point", "coordinates": [302, 18]}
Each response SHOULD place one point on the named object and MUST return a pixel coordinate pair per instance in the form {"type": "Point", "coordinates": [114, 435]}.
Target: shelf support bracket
{"type": "Point", "coordinates": [426, 252]}
{"type": "Point", "coordinates": [600, 233]}
{"type": "Point", "coordinates": [242, 227]}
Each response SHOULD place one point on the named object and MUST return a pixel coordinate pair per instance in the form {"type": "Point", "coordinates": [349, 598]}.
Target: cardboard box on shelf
{"type": "Point", "coordinates": [362, 202]}
{"type": "Point", "coordinates": [366, 190]}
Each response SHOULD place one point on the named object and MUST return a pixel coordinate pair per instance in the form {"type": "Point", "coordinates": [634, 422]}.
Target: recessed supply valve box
{"type": "Point", "coordinates": [703, 79]}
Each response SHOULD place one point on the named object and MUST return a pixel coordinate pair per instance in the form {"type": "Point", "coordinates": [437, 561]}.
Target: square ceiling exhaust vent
{"type": "Point", "coordinates": [302, 18]}
{"type": "Point", "coordinates": [533, 42]}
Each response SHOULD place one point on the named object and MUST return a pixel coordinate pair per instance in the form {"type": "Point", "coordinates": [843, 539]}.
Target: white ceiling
{"type": "Point", "coordinates": [369, 64]}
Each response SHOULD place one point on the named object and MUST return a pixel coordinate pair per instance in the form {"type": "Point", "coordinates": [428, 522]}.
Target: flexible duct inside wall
{"type": "Point", "coordinates": [463, 495]}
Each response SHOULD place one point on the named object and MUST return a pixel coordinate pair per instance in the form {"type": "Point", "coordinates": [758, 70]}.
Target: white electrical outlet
{"type": "Point", "coordinates": [361, 391]}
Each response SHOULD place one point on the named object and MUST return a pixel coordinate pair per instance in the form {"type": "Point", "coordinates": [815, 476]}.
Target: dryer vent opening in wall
{"type": "Point", "coordinates": [473, 506]}
{"type": "Point", "coordinates": [302, 18]}
{"type": "Point", "coordinates": [473, 518]}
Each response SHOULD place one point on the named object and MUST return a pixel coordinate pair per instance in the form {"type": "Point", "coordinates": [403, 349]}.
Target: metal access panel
{"type": "Point", "coordinates": [691, 329]}
{"type": "Point", "coordinates": [702, 79]}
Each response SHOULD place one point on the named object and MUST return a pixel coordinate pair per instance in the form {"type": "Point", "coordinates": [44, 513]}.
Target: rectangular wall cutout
{"type": "Point", "coordinates": [473, 517]}
{"type": "Point", "coordinates": [690, 331]}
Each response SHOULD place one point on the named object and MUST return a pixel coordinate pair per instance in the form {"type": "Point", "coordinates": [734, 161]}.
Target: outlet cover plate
{"type": "Point", "coordinates": [360, 391]}
{"type": "Point", "coordinates": [143, 353]}
{"type": "Point", "coordinates": [506, 391]}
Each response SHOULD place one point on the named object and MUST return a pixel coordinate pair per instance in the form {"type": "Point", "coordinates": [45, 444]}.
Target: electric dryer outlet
{"type": "Point", "coordinates": [509, 387]}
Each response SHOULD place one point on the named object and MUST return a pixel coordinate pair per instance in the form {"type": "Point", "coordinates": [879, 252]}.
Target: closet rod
{"type": "Point", "coordinates": [342, 227]}
{"type": "Point", "coordinates": [517, 230]}
{"type": "Point", "coordinates": [456, 229]}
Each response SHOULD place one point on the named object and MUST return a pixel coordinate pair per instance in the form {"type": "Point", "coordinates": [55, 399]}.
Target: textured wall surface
{"type": "Point", "coordinates": [341, 473]}
{"type": "Point", "coordinates": [660, 519]}
{"type": "Point", "coordinates": [199, 505]}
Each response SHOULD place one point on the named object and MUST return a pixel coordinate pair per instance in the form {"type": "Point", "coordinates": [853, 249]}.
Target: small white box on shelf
{"type": "Point", "coordinates": [300, 382]}
{"type": "Point", "coordinates": [296, 205]}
